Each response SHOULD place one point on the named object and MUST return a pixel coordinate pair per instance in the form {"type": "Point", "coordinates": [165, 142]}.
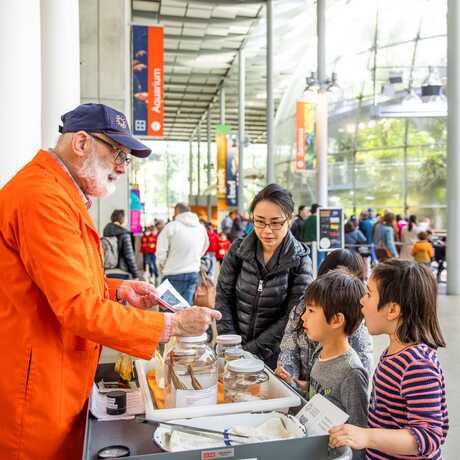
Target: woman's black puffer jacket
{"type": "Point", "coordinates": [257, 306]}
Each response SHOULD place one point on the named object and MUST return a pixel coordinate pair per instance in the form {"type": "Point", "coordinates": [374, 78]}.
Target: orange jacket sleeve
{"type": "Point", "coordinates": [112, 284]}
{"type": "Point", "coordinates": [69, 273]}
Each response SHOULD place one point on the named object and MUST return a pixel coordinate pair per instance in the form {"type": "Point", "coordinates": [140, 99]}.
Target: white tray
{"type": "Point", "coordinates": [280, 398]}
{"type": "Point", "coordinates": [222, 422]}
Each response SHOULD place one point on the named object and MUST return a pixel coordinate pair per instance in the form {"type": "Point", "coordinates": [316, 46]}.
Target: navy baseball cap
{"type": "Point", "coordinates": [99, 118]}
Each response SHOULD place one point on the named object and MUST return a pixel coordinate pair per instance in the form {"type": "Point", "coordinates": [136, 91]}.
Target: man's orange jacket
{"type": "Point", "coordinates": [54, 313]}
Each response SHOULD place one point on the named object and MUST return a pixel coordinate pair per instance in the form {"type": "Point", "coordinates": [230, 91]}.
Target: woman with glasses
{"type": "Point", "coordinates": [263, 276]}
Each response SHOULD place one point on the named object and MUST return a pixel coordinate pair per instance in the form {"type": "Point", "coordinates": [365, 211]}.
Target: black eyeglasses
{"type": "Point", "coordinates": [272, 225]}
{"type": "Point", "coordinates": [120, 156]}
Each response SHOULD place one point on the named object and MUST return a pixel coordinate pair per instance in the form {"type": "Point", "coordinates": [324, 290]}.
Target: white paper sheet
{"type": "Point", "coordinates": [319, 415]}
{"type": "Point", "coordinates": [169, 296]}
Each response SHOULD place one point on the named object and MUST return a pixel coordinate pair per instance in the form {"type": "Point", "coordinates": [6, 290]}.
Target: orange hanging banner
{"type": "Point", "coordinates": [221, 142]}
{"type": "Point", "coordinates": [305, 136]}
{"type": "Point", "coordinates": [300, 136]}
{"type": "Point", "coordinates": [155, 79]}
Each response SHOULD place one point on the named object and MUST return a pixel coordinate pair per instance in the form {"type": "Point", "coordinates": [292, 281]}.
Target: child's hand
{"type": "Point", "coordinates": [349, 435]}
{"type": "Point", "coordinates": [283, 374]}
{"type": "Point", "coordinates": [302, 384]}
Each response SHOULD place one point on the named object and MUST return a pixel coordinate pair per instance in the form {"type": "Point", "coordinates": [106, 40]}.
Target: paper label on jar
{"type": "Point", "coordinates": [186, 398]}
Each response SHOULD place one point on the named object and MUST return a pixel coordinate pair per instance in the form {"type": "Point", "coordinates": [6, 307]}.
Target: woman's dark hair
{"type": "Point", "coordinates": [338, 291]}
{"type": "Point", "coordinates": [413, 287]}
{"type": "Point", "coordinates": [349, 227]}
{"type": "Point", "coordinates": [388, 218]}
{"type": "Point", "coordinates": [351, 260]}
{"type": "Point", "coordinates": [118, 215]}
{"type": "Point", "coordinates": [412, 221]}
{"type": "Point", "coordinates": [276, 195]}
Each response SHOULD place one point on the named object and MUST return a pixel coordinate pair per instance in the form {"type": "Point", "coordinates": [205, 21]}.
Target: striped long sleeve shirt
{"type": "Point", "coordinates": [409, 393]}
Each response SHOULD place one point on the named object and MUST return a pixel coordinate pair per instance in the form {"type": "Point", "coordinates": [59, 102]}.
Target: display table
{"type": "Point", "coordinates": [138, 437]}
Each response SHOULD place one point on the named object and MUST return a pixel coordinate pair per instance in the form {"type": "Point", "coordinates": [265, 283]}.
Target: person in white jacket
{"type": "Point", "coordinates": [180, 246]}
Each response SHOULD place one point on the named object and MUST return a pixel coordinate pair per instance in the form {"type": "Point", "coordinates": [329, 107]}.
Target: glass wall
{"type": "Point", "coordinates": [384, 163]}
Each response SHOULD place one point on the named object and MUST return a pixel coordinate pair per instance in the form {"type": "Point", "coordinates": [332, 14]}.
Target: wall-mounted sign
{"type": "Point", "coordinates": [330, 229]}
{"type": "Point", "coordinates": [147, 81]}
{"type": "Point", "coordinates": [305, 136]}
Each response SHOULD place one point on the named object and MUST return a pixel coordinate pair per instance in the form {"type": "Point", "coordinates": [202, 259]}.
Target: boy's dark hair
{"type": "Point", "coordinates": [422, 236]}
{"type": "Point", "coordinates": [277, 195]}
{"type": "Point", "coordinates": [345, 258]}
{"type": "Point", "coordinates": [413, 287]}
{"type": "Point", "coordinates": [118, 215]}
{"type": "Point", "coordinates": [301, 208]}
{"type": "Point", "coordinates": [338, 291]}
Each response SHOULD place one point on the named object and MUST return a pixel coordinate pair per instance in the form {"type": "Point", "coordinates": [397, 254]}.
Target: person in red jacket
{"type": "Point", "coordinates": [148, 249]}
{"type": "Point", "coordinates": [224, 246]}
{"type": "Point", "coordinates": [212, 248]}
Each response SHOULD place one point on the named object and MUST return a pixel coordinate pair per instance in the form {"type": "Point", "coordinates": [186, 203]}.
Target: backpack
{"type": "Point", "coordinates": [110, 250]}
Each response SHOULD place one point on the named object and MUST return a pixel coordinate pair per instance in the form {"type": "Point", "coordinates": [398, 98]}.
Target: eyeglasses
{"type": "Point", "coordinates": [120, 156]}
{"type": "Point", "coordinates": [272, 225]}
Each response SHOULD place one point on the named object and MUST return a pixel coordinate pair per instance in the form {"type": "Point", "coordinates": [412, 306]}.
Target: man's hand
{"type": "Point", "coordinates": [193, 321]}
{"type": "Point", "coordinates": [349, 435]}
{"type": "Point", "coordinates": [137, 293]}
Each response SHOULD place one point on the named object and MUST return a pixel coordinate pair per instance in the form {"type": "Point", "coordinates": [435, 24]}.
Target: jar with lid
{"type": "Point", "coordinates": [232, 354]}
{"type": "Point", "coordinates": [191, 373]}
{"type": "Point", "coordinates": [245, 380]}
{"type": "Point", "coordinates": [223, 342]}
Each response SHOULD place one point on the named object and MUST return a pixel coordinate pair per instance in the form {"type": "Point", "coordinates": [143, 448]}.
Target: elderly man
{"type": "Point", "coordinates": [57, 308]}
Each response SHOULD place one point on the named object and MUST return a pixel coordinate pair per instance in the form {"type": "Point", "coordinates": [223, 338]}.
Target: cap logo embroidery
{"type": "Point", "coordinates": [121, 121]}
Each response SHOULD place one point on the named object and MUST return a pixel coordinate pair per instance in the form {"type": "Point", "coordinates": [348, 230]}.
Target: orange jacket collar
{"type": "Point", "coordinates": [44, 159]}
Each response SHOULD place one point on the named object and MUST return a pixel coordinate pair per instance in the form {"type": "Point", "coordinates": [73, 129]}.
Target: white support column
{"type": "Point", "coordinates": [453, 149]}
{"type": "Point", "coordinates": [208, 167]}
{"type": "Point", "coordinates": [190, 169]}
{"type": "Point", "coordinates": [60, 48]}
{"type": "Point", "coordinates": [222, 105]}
{"type": "Point", "coordinates": [20, 84]}
{"type": "Point", "coordinates": [270, 175]}
{"type": "Point", "coordinates": [241, 127]}
{"type": "Point", "coordinates": [321, 109]}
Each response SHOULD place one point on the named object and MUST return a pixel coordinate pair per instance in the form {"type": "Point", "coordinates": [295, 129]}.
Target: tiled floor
{"type": "Point", "coordinates": [449, 315]}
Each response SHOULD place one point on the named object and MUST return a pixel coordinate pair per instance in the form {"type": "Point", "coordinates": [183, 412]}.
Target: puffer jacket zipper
{"type": "Point", "coordinates": [252, 325]}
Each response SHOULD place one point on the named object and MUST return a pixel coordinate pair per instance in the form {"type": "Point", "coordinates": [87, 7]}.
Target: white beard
{"type": "Point", "coordinates": [95, 177]}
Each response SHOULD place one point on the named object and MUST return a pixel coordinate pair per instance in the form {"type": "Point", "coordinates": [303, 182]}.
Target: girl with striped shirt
{"type": "Point", "coordinates": [408, 412]}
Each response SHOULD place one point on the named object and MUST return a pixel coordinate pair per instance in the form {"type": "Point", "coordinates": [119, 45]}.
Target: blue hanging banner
{"type": "Point", "coordinates": [232, 170]}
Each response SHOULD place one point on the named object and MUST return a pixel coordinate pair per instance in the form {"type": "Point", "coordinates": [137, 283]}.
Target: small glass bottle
{"type": "Point", "coordinates": [245, 380]}
{"type": "Point", "coordinates": [223, 342]}
{"type": "Point", "coordinates": [191, 373]}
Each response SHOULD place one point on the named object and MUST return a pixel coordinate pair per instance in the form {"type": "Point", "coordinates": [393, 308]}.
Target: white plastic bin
{"type": "Point", "coordinates": [280, 398]}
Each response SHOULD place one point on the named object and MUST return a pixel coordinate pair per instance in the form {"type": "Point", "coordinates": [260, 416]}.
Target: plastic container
{"type": "Point", "coordinates": [245, 380]}
{"type": "Point", "coordinates": [224, 342]}
{"type": "Point", "coordinates": [190, 373]}
{"type": "Point", "coordinates": [116, 402]}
